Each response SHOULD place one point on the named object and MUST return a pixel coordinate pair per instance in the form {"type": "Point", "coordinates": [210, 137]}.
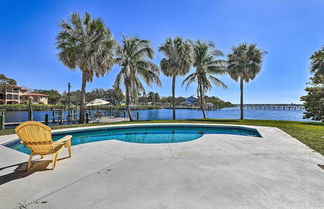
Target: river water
{"type": "Point", "coordinates": [165, 114]}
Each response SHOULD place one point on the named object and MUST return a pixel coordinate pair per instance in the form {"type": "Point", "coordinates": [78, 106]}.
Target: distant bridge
{"type": "Point", "coordinates": [273, 106]}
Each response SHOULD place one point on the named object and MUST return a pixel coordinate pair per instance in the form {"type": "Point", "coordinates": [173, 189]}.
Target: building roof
{"type": "Point", "coordinates": [192, 99]}
{"type": "Point", "coordinates": [35, 94]}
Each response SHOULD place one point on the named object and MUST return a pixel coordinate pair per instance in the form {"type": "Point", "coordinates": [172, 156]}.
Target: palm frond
{"type": "Point", "coordinates": [134, 55]}
{"type": "Point", "coordinates": [244, 62]}
{"type": "Point", "coordinates": [86, 44]}
{"type": "Point", "coordinates": [192, 78]}
{"type": "Point", "coordinates": [217, 82]}
{"type": "Point", "coordinates": [178, 60]}
{"type": "Point", "coordinates": [206, 64]}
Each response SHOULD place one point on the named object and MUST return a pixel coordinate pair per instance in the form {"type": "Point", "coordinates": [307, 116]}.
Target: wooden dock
{"type": "Point", "coordinates": [101, 120]}
{"type": "Point", "coordinates": [274, 106]}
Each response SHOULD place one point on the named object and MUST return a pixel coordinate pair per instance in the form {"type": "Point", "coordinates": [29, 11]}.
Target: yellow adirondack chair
{"type": "Point", "coordinates": [37, 137]}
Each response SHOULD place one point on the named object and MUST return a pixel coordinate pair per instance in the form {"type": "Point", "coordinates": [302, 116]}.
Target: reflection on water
{"type": "Point", "coordinates": [166, 114]}
{"type": "Point", "coordinates": [226, 113]}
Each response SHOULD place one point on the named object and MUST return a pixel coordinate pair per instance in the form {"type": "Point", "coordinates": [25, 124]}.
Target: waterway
{"type": "Point", "coordinates": [165, 114]}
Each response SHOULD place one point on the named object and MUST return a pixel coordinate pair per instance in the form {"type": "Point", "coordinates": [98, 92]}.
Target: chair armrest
{"type": "Point", "coordinates": [64, 139]}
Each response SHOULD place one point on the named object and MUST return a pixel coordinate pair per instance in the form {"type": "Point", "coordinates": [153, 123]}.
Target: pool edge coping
{"type": "Point", "coordinates": [4, 139]}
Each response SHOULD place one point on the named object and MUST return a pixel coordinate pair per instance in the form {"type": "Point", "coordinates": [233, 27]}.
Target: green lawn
{"type": "Point", "coordinates": [309, 133]}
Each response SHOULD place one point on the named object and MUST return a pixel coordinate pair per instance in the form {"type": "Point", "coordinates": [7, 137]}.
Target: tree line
{"type": "Point", "coordinates": [87, 44]}
{"type": "Point", "coordinates": [6, 82]}
{"type": "Point", "coordinates": [114, 96]}
{"type": "Point", "coordinates": [314, 99]}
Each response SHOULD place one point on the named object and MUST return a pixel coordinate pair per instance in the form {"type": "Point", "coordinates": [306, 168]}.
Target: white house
{"type": "Point", "coordinates": [192, 100]}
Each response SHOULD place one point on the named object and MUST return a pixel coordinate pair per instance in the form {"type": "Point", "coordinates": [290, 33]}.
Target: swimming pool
{"type": "Point", "coordinates": [151, 134]}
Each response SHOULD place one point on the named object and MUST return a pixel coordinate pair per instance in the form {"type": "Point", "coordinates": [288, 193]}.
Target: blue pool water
{"type": "Point", "coordinates": [150, 134]}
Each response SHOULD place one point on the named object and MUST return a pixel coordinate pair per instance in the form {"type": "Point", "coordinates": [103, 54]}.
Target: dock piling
{"type": "Point", "coordinates": [87, 117]}
{"type": "Point", "coordinates": [30, 113]}
{"type": "Point", "coordinates": [53, 116]}
{"type": "Point", "coordinates": [46, 119]}
{"type": "Point", "coordinates": [2, 120]}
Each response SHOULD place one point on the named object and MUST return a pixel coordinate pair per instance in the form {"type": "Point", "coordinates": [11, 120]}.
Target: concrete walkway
{"type": "Point", "coordinates": [215, 171]}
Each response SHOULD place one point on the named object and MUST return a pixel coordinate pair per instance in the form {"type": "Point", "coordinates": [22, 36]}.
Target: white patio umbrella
{"type": "Point", "coordinates": [97, 102]}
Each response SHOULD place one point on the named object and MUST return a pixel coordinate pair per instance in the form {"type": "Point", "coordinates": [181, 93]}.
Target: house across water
{"type": "Point", "coordinates": [21, 95]}
{"type": "Point", "coordinates": [192, 100]}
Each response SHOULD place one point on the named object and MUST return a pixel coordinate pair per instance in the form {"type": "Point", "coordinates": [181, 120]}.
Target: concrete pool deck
{"type": "Point", "coordinates": [214, 171]}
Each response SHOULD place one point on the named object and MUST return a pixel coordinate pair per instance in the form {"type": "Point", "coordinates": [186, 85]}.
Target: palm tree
{"type": "Point", "coordinates": [150, 96]}
{"type": "Point", "coordinates": [317, 66]}
{"type": "Point", "coordinates": [204, 60]}
{"type": "Point", "coordinates": [244, 63]}
{"type": "Point", "coordinates": [132, 56]}
{"type": "Point", "coordinates": [177, 61]}
{"type": "Point", "coordinates": [86, 44]}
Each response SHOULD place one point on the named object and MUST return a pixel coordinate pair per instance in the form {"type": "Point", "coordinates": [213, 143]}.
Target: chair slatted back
{"type": "Point", "coordinates": [36, 136]}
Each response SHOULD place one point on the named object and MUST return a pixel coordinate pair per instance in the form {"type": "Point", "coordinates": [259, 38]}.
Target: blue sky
{"type": "Point", "coordinates": [290, 31]}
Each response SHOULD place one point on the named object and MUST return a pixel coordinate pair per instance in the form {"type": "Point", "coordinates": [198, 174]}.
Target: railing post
{"type": "Point", "coordinates": [53, 115]}
{"type": "Point", "coordinates": [87, 117]}
{"type": "Point", "coordinates": [69, 102]}
{"type": "Point", "coordinates": [124, 114]}
{"type": "Point", "coordinates": [46, 119]}
{"type": "Point", "coordinates": [137, 115]}
{"type": "Point", "coordinates": [2, 120]}
{"type": "Point", "coordinates": [59, 118]}
{"type": "Point", "coordinates": [72, 115]}
{"type": "Point", "coordinates": [62, 116]}
{"type": "Point", "coordinates": [30, 113]}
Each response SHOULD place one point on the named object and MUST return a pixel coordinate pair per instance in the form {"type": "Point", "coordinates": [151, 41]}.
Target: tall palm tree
{"type": "Point", "coordinates": [177, 61]}
{"type": "Point", "coordinates": [132, 56]}
{"type": "Point", "coordinates": [317, 66]}
{"type": "Point", "coordinates": [244, 63]}
{"type": "Point", "coordinates": [87, 44]}
{"type": "Point", "coordinates": [207, 66]}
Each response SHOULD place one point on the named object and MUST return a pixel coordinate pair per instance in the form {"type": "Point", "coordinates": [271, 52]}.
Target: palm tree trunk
{"type": "Point", "coordinates": [241, 99]}
{"type": "Point", "coordinates": [128, 101]}
{"type": "Point", "coordinates": [202, 101]}
{"type": "Point", "coordinates": [173, 97]}
{"type": "Point", "coordinates": [82, 101]}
